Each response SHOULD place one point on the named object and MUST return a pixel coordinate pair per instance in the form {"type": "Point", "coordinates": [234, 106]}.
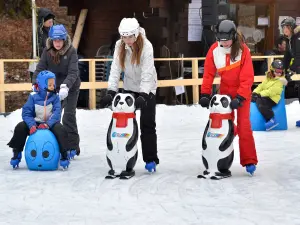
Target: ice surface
{"type": "Point", "coordinates": [172, 196]}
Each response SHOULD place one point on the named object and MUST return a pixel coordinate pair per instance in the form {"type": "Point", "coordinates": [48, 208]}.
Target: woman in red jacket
{"type": "Point", "coordinates": [231, 59]}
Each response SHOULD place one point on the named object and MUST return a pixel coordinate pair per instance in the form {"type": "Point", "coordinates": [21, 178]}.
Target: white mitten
{"type": "Point", "coordinates": [33, 88]}
{"type": "Point", "coordinates": [63, 91]}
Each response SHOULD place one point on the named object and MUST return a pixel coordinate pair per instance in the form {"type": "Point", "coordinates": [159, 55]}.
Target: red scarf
{"type": "Point", "coordinates": [122, 118]}
{"type": "Point", "coordinates": [216, 119]}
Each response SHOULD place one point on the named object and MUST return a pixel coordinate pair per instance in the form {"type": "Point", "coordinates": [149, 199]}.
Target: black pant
{"type": "Point", "coordinates": [148, 129]}
{"type": "Point", "coordinates": [22, 131]}
{"type": "Point", "coordinates": [69, 120]}
{"type": "Point", "coordinates": [264, 105]}
{"type": "Point", "coordinates": [31, 75]}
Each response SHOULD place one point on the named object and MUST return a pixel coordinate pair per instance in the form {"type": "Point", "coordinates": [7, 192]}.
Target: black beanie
{"type": "Point", "coordinates": [48, 17]}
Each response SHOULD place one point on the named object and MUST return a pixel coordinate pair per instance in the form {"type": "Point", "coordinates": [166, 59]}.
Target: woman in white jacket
{"type": "Point", "coordinates": [134, 56]}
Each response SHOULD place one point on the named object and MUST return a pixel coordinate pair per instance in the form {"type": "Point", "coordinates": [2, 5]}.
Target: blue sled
{"type": "Point", "coordinates": [258, 122]}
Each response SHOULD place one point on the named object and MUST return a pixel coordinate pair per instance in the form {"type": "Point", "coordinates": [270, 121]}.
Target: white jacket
{"type": "Point", "coordinates": [137, 78]}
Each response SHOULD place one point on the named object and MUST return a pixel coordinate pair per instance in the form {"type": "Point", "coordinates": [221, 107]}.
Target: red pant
{"type": "Point", "coordinates": [246, 140]}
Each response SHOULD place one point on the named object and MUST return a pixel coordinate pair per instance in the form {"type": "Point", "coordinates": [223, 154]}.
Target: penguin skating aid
{"type": "Point", "coordinates": [217, 141]}
{"type": "Point", "coordinates": [122, 138]}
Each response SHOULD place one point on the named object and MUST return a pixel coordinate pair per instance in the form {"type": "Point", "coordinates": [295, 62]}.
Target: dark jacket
{"type": "Point", "coordinates": [293, 52]}
{"type": "Point", "coordinates": [66, 71]}
{"type": "Point", "coordinates": [42, 32]}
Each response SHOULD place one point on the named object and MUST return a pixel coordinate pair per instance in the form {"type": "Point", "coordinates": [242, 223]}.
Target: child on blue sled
{"type": "Point", "coordinates": [268, 93]}
{"type": "Point", "coordinates": [41, 111]}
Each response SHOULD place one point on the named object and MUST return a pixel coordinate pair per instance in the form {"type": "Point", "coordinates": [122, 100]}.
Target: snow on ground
{"type": "Point", "coordinates": [172, 196]}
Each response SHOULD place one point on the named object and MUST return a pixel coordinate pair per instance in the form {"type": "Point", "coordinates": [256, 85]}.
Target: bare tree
{"type": "Point", "coordinates": [16, 8]}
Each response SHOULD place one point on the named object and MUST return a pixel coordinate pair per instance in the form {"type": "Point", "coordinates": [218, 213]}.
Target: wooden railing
{"type": "Point", "coordinates": [92, 85]}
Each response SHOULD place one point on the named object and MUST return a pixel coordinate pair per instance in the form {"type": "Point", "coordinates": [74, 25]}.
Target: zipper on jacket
{"type": "Point", "coordinates": [45, 109]}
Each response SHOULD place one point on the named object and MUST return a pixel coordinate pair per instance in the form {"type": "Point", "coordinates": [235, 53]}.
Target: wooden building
{"type": "Point", "coordinates": [104, 16]}
{"type": "Point", "coordinates": [166, 25]}
{"type": "Point", "coordinates": [273, 9]}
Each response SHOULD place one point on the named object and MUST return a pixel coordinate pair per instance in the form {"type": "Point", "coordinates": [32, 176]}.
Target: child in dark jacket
{"type": "Point", "coordinates": [41, 111]}
{"type": "Point", "coordinates": [268, 93]}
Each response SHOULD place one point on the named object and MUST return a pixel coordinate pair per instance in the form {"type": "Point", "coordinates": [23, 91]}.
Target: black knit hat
{"type": "Point", "coordinates": [48, 17]}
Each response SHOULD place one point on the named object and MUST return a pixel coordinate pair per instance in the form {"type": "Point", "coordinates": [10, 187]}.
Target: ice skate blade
{"type": "Point", "coordinates": [125, 175]}
{"type": "Point", "coordinates": [111, 177]}
{"type": "Point", "coordinates": [213, 177]}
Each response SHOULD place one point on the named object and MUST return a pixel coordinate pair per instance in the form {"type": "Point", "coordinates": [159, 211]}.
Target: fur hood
{"type": "Point", "coordinates": [282, 78]}
{"type": "Point", "coordinates": [297, 30]}
{"type": "Point", "coordinates": [65, 48]}
{"type": "Point", "coordinates": [283, 81]}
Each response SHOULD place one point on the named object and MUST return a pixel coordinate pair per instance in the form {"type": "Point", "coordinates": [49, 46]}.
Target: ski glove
{"type": "Point", "coordinates": [237, 102]}
{"type": "Point", "coordinates": [32, 130]}
{"type": "Point", "coordinates": [254, 97]}
{"type": "Point", "coordinates": [204, 100]}
{"type": "Point", "coordinates": [63, 92]}
{"type": "Point", "coordinates": [107, 99]}
{"type": "Point", "coordinates": [35, 87]}
{"type": "Point", "coordinates": [43, 126]}
{"type": "Point", "coordinates": [141, 101]}
{"type": "Point", "coordinates": [288, 76]}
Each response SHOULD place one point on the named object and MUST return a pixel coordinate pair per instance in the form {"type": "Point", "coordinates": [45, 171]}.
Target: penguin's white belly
{"type": "Point", "coordinates": [214, 138]}
{"type": "Point", "coordinates": [119, 138]}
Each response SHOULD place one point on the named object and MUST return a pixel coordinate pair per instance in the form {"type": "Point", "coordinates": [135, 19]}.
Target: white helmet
{"type": "Point", "coordinates": [129, 26]}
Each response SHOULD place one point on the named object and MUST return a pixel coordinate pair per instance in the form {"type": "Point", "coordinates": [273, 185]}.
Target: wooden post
{"type": "Point", "coordinates": [79, 28]}
{"type": "Point", "coordinates": [270, 60]}
{"type": "Point", "coordinates": [2, 93]}
{"type": "Point", "coordinates": [92, 79]}
{"type": "Point", "coordinates": [272, 29]}
{"type": "Point", "coordinates": [195, 75]}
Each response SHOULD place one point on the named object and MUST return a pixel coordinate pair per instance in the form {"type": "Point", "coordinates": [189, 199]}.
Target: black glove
{"type": "Point", "coordinates": [107, 99]}
{"type": "Point", "coordinates": [204, 100]}
{"type": "Point", "coordinates": [288, 76]}
{"type": "Point", "coordinates": [141, 101]}
{"type": "Point", "coordinates": [254, 97]}
{"type": "Point", "coordinates": [237, 102]}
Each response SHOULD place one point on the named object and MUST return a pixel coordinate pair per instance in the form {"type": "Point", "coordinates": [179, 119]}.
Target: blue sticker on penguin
{"type": "Point", "coordinates": [214, 135]}
{"type": "Point", "coordinates": [125, 135]}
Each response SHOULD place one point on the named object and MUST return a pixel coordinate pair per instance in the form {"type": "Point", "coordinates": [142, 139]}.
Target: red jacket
{"type": "Point", "coordinates": [236, 77]}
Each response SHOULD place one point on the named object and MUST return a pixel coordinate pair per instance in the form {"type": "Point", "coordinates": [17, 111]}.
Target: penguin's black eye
{"type": "Point", "coordinates": [225, 102]}
{"type": "Point", "coordinates": [129, 100]}
{"type": "Point", "coordinates": [118, 98]}
{"type": "Point", "coordinates": [213, 101]}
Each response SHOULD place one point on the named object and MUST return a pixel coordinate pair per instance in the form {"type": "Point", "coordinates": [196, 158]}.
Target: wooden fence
{"type": "Point", "coordinates": [92, 85]}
